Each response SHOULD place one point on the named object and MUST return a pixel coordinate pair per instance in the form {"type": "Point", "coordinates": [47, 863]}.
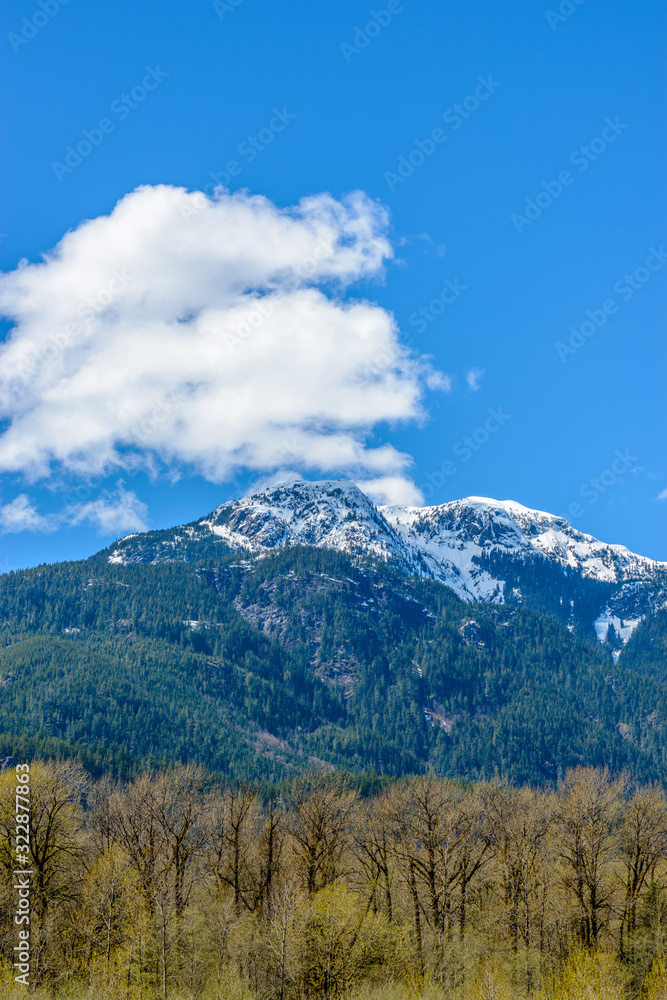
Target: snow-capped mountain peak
{"type": "Point", "coordinates": [480, 525]}
{"type": "Point", "coordinates": [473, 545]}
{"type": "Point", "coordinates": [330, 514]}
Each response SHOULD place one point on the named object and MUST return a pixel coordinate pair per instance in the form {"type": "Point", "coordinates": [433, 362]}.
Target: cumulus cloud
{"type": "Point", "coordinates": [473, 378]}
{"type": "Point", "coordinates": [663, 495]}
{"type": "Point", "coordinates": [111, 513]}
{"type": "Point", "coordinates": [207, 335]}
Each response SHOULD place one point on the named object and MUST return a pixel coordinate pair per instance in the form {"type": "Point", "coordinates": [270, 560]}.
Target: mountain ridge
{"type": "Point", "coordinates": [261, 649]}
{"type": "Point", "coordinates": [473, 545]}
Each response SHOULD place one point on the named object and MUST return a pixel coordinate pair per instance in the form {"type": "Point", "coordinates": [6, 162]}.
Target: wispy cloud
{"type": "Point", "coordinates": [112, 513]}
{"type": "Point", "coordinates": [20, 515]}
{"type": "Point", "coordinates": [473, 378]}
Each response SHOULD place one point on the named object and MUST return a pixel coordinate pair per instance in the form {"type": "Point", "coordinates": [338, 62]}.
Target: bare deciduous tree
{"type": "Point", "coordinates": [644, 841]}
{"type": "Point", "coordinates": [589, 807]}
{"type": "Point", "coordinates": [517, 822]}
{"type": "Point", "coordinates": [320, 817]}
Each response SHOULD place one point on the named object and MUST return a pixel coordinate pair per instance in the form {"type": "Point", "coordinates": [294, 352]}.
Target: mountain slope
{"type": "Point", "coordinates": [262, 664]}
{"type": "Point", "coordinates": [456, 533]}
{"type": "Point", "coordinates": [302, 626]}
{"type": "Point", "coordinates": [485, 550]}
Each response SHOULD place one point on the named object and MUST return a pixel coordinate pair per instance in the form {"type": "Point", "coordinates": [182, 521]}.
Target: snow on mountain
{"type": "Point", "coordinates": [449, 538]}
{"type": "Point", "coordinates": [452, 535]}
{"type": "Point", "coordinates": [624, 627]}
{"type": "Point", "coordinates": [333, 515]}
{"type": "Point", "coordinates": [451, 542]}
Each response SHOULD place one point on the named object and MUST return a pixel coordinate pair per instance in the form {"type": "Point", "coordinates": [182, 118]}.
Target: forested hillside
{"type": "Point", "coordinates": [260, 666]}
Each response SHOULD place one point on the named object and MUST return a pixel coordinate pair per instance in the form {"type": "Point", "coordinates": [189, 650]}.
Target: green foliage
{"type": "Point", "coordinates": [262, 666]}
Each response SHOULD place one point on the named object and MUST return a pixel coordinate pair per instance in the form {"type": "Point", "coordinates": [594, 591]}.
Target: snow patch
{"type": "Point", "coordinates": [624, 627]}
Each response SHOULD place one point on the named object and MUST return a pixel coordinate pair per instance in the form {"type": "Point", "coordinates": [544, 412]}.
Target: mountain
{"type": "Point", "coordinates": [485, 550]}
{"type": "Point", "coordinates": [303, 627]}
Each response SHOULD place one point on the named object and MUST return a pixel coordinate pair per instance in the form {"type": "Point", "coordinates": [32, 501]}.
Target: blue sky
{"type": "Point", "coordinates": [518, 151]}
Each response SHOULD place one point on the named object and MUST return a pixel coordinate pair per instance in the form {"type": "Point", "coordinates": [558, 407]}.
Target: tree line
{"type": "Point", "coordinates": [175, 885]}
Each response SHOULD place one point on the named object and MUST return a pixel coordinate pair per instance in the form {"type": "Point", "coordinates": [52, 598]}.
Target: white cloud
{"type": "Point", "coordinates": [663, 495]}
{"type": "Point", "coordinates": [282, 477]}
{"type": "Point", "coordinates": [438, 380]}
{"type": "Point", "coordinates": [473, 378]}
{"type": "Point", "coordinates": [111, 513]}
{"type": "Point", "coordinates": [391, 490]}
{"type": "Point", "coordinates": [21, 515]}
{"type": "Point", "coordinates": [185, 333]}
